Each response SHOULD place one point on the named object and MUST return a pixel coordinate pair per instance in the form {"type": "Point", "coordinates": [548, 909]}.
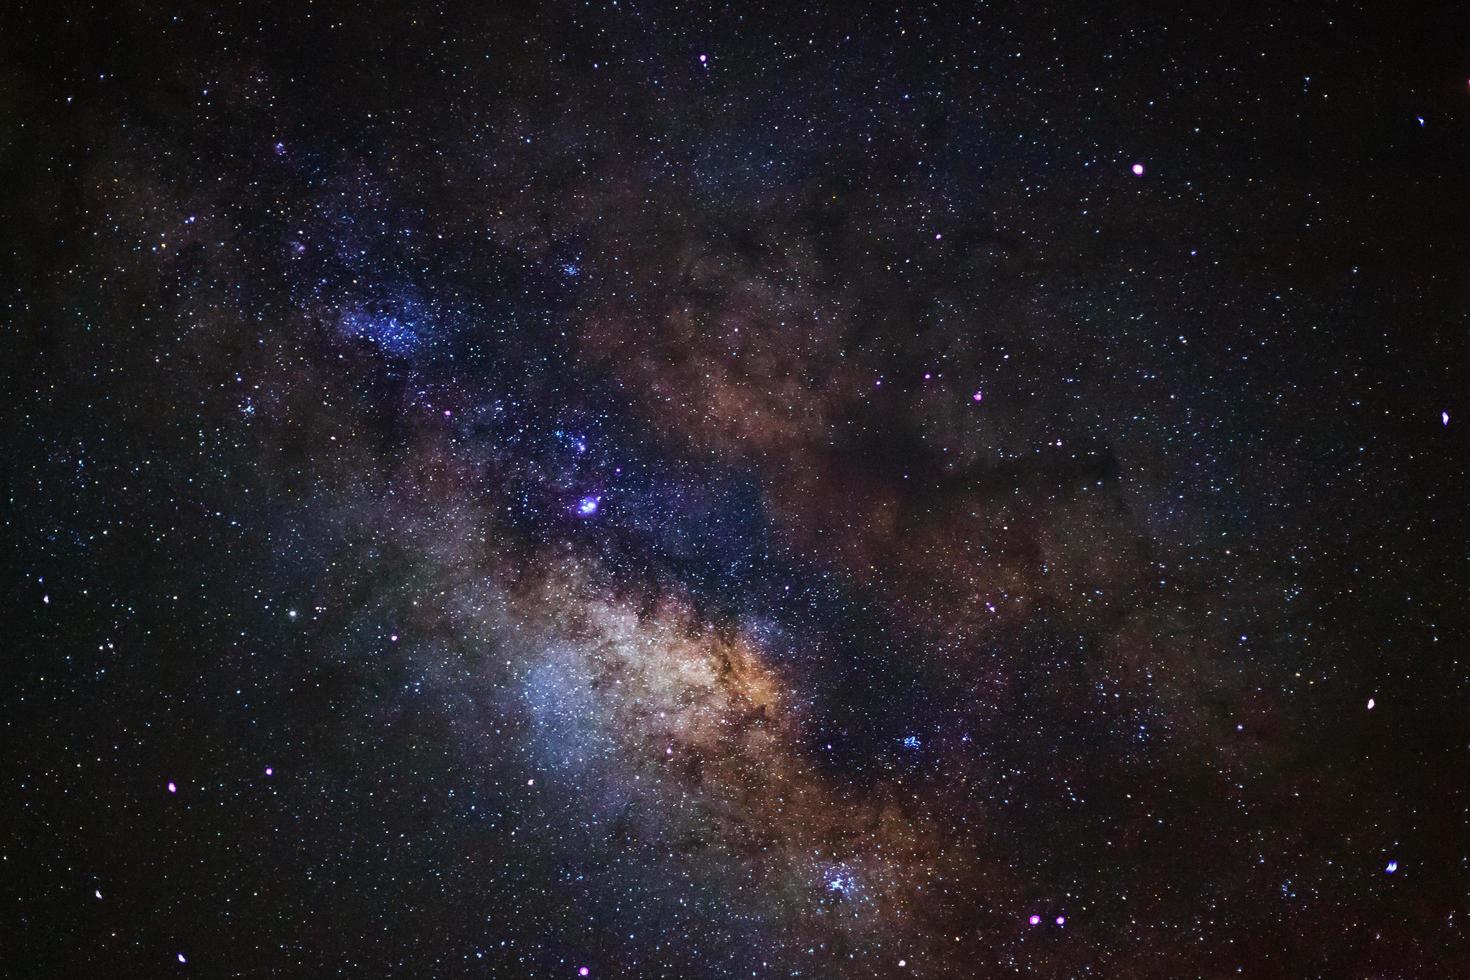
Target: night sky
{"type": "Point", "coordinates": [640, 490]}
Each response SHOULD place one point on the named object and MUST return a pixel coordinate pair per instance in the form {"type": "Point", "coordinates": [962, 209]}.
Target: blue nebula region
{"type": "Point", "coordinates": [400, 326]}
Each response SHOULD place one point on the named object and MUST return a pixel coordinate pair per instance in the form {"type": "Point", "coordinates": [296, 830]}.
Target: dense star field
{"type": "Point", "coordinates": [638, 490]}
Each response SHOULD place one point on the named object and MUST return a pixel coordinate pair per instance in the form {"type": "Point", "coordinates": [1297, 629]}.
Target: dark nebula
{"type": "Point", "coordinates": [654, 491]}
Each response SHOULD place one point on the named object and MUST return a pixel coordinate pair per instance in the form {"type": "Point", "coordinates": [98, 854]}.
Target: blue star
{"type": "Point", "coordinates": [841, 882]}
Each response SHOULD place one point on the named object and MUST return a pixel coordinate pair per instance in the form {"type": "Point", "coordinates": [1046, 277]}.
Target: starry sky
{"type": "Point", "coordinates": [654, 490]}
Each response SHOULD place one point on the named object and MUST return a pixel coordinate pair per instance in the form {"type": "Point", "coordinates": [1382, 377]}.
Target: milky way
{"type": "Point", "coordinates": [643, 491]}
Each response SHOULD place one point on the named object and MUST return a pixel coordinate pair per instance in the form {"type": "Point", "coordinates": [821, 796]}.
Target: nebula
{"type": "Point", "coordinates": [635, 491]}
